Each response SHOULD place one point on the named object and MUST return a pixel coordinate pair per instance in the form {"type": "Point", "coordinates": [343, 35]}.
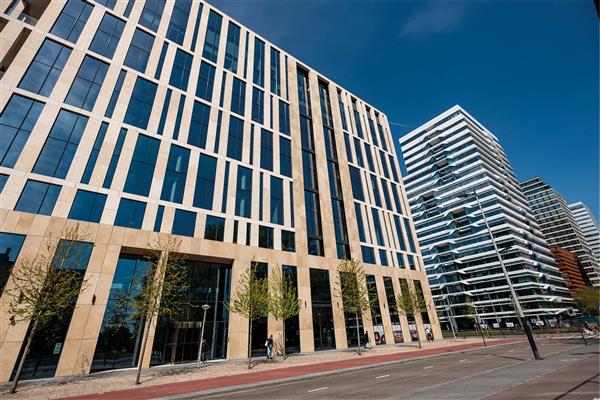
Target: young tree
{"type": "Point", "coordinates": [44, 289]}
{"type": "Point", "coordinates": [250, 300]}
{"type": "Point", "coordinates": [160, 291]}
{"type": "Point", "coordinates": [588, 300]}
{"type": "Point", "coordinates": [351, 287]}
{"type": "Point", "coordinates": [409, 302]}
{"type": "Point", "coordinates": [283, 300]}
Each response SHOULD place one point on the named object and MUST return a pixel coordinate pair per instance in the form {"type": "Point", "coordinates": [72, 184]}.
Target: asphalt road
{"type": "Point", "coordinates": [462, 376]}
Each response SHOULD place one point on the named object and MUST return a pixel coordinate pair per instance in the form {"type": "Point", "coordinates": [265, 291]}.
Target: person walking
{"type": "Point", "coordinates": [204, 351]}
{"type": "Point", "coordinates": [429, 334]}
{"type": "Point", "coordinates": [269, 346]}
{"type": "Point", "coordinates": [367, 341]}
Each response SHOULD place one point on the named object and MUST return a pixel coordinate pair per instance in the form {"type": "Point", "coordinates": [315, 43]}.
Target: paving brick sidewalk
{"type": "Point", "coordinates": [200, 385]}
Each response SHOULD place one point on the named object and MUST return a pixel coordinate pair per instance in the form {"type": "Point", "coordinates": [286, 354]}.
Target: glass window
{"type": "Point", "coordinates": [265, 237]}
{"type": "Point", "coordinates": [87, 83]}
{"type": "Point", "coordinates": [259, 62]}
{"type": "Point", "coordinates": [368, 254]}
{"type": "Point", "coordinates": [179, 20]}
{"type": "Point", "coordinates": [275, 75]}
{"type": "Point", "coordinates": [205, 182]}
{"type": "Point", "coordinates": [130, 214]}
{"type": "Point", "coordinates": [375, 187]}
{"type": "Point", "coordinates": [276, 200]}
{"type": "Point", "coordinates": [342, 111]}
{"type": "Point", "coordinates": [140, 104]}
{"type": "Point", "coordinates": [159, 217]}
{"type": "Point", "coordinates": [383, 257]}
{"type": "Point", "coordinates": [397, 198]}
{"type": "Point", "coordinates": [243, 195]}
{"type": "Point", "coordinates": [400, 258]}
{"type": "Point", "coordinates": [184, 223]}
{"type": "Point", "coordinates": [115, 94]}
{"type": "Point", "coordinates": [359, 153]}
{"type": "Point", "coordinates": [16, 123]}
{"type": "Point", "coordinates": [409, 236]}
{"type": "Point", "coordinates": [360, 223]}
{"type": "Point", "coordinates": [213, 33]}
{"type": "Point", "coordinates": [258, 105]}
{"type": "Point", "coordinates": [46, 67]}
{"type": "Point", "coordinates": [285, 156]}
{"type": "Point", "coordinates": [128, 8]}
{"type": "Point", "coordinates": [114, 160]}
{"type": "Point", "coordinates": [71, 20]}
{"type": "Point", "coordinates": [107, 36]}
{"type": "Point", "coordinates": [180, 74]}
{"type": "Point", "coordinates": [284, 117]}
{"type": "Point", "coordinates": [266, 150]}
{"type": "Point", "coordinates": [215, 228]}
{"type": "Point", "coordinates": [357, 188]}
{"type": "Point", "coordinates": [399, 233]}
{"type": "Point", "coordinates": [369, 155]}
{"type": "Point", "coordinates": [87, 206]}
{"type": "Point", "coordinates": [235, 139]}
{"type": "Point", "coordinates": [411, 262]}
{"type": "Point", "coordinates": [288, 241]}
{"type": "Point", "coordinates": [3, 180]}
{"type": "Point", "coordinates": [175, 175]}
{"type": "Point", "coordinates": [348, 149]}
{"type": "Point", "coordinates": [139, 50]}
{"type": "Point", "coordinates": [38, 198]}
{"type": "Point", "coordinates": [61, 144]}
{"type": "Point", "coordinates": [161, 60]}
{"type": "Point", "coordinates": [10, 247]}
{"type": "Point", "coordinates": [377, 227]}
{"type": "Point", "coordinates": [199, 125]}
{"type": "Point", "coordinates": [206, 79]}
{"type": "Point", "coordinates": [238, 96]}
{"type": "Point", "coordinates": [196, 27]}
{"type": "Point", "coordinates": [313, 223]}
{"type": "Point", "coordinates": [232, 48]}
{"type": "Point", "coordinates": [357, 120]}
{"type": "Point", "coordinates": [152, 13]}
{"type": "Point", "coordinates": [164, 113]}
{"type": "Point", "coordinates": [384, 165]}
{"type": "Point", "coordinates": [141, 169]}
{"type": "Point", "coordinates": [107, 3]}
{"type": "Point", "coordinates": [322, 310]}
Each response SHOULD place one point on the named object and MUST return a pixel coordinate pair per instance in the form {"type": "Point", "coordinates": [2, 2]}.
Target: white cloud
{"type": "Point", "coordinates": [435, 17]}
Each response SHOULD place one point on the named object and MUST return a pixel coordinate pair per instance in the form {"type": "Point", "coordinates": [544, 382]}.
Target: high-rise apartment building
{"type": "Point", "coordinates": [134, 118]}
{"type": "Point", "coordinates": [588, 226]}
{"type": "Point", "coordinates": [452, 162]}
{"type": "Point", "coordinates": [570, 268]}
{"type": "Point", "coordinates": [558, 224]}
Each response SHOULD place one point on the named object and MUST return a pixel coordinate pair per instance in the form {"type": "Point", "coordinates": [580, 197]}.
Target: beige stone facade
{"type": "Point", "coordinates": [20, 39]}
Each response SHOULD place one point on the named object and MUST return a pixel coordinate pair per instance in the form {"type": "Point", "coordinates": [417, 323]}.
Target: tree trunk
{"type": "Point", "coordinates": [250, 344]}
{"type": "Point", "coordinates": [142, 352]}
{"type": "Point", "coordinates": [357, 334]}
{"type": "Point", "coordinates": [283, 350]}
{"type": "Point", "coordinates": [13, 387]}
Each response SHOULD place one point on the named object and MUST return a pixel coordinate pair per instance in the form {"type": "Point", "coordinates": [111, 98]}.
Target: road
{"type": "Point", "coordinates": [470, 375]}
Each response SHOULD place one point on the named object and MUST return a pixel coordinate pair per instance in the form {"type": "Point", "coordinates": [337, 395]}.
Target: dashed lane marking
{"type": "Point", "coordinates": [381, 376]}
{"type": "Point", "coordinates": [318, 389]}
{"type": "Point", "coordinates": [431, 366]}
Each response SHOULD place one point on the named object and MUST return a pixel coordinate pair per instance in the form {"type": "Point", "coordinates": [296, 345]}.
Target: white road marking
{"type": "Point", "coordinates": [382, 376]}
{"type": "Point", "coordinates": [316, 390]}
{"type": "Point", "coordinates": [510, 351]}
{"type": "Point", "coordinates": [464, 359]}
{"type": "Point", "coordinates": [431, 366]}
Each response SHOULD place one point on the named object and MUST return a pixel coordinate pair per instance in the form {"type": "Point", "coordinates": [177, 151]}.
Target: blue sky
{"type": "Point", "coordinates": [527, 70]}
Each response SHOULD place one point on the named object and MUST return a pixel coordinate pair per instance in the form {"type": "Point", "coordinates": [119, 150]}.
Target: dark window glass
{"type": "Point", "coordinates": [400, 259]}
{"type": "Point", "coordinates": [114, 159]}
{"type": "Point", "coordinates": [275, 75]}
{"type": "Point", "coordinates": [276, 200]}
{"type": "Point", "coordinates": [265, 237]}
{"type": "Point", "coordinates": [215, 228]}
{"type": "Point", "coordinates": [107, 36]}
{"type": "Point", "coordinates": [409, 235]}
{"type": "Point", "coordinates": [266, 150]}
{"type": "Point", "coordinates": [235, 139]}
{"type": "Point", "coordinates": [199, 125]}
{"type": "Point", "coordinates": [46, 67]}
{"type": "Point", "coordinates": [232, 48]}
{"type": "Point", "coordinates": [377, 226]}
{"type": "Point", "coordinates": [164, 113]}
{"type": "Point", "coordinates": [175, 175]}
{"type": "Point", "coordinates": [285, 156]}
{"type": "Point", "coordinates": [359, 153]}
{"type": "Point", "coordinates": [386, 195]}
{"type": "Point", "coordinates": [369, 157]}
{"type": "Point", "coordinates": [87, 206]}
{"type": "Point", "coordinates": [128, 8]}
{"type": "Point", "coordinates": [258, 105]}
{"type": "Point", "coordinates": [71, 20]}
{"type": "Point", "coordinates": [107, 3]}
{"type": "Point", "coordinates": [393, 166]}
{"type": "Point", "coordinates": [368, 254]}
{"type": "Point", "coordinates": [10, 247]}
{"type": "Point", "coordinates": [61, 144]}
{"type": "Point", "coordinates": [322, 310]}
{"type": "Point", "coordinates": [179, 20]}
{"type": "Point", "coordinates": [399, 233]}
{"type": "Point", "coordinates": [179, 117]}
{"type": "Point", "coordinates": [259, 62]}
{"type": "Point", "coordinates": [196, 27]}
{"type": "Point", "coordinates": [205, 182]}
{"type": "Point", "coordinates": [38, 198]}
{"type": "Point", "coordinates": [375, 187]}
{"type": "Point", "coordinates": [342, 111]}
{"type": "Point", "coordinates": [357, 120]}
{"type": "Point", "coordinates": [139, 50]}
{"type": "Point", "coordinates": [130, 214]}
{"type": "Point", "coordinates": [238, 96]}
{"type": "Point", "coordinates": [383, 257]}
{"type": "Point", "coordinates": [184, 223]}
{"type": "Point", "coordinates": [384, 165]}
{"type": "Point", "coordinates": [348, 149]}
{"type": "Point", "coordinates": [141, 169]}
{"type": "Point", "coordinates": [87, 83]}
{"type": "Point", "coordinates": [284, 117]}
{"type": "Point", "coordinates": [161, 60]}
{"type": "Point", "coordinates": [180, 74]}
{"type": "Point", "coordinates": [115, 94]}
{"type": "Point", "coordinates": [140, 104]}
{"type": "Point", "coordinates": [159, 217]}
{"type": "Point", "coordinates": [206, 79]}
{"type": "Point", "coordinates": [411, 262]}
{"type": "Point", "coordinates": [16, 123]}
{"type": "Point", "coordinates": [3, 180]}
{"type": "Point", "coordinates": [152, 13]}
{"type": "Point", "coordinates": [397, 198]}
{"type": "Point", "coordinates": [213, 33]}
{"type": "Point", "coordinates": [313, 223]}
{"type": "Point", "coordinates": [360, 223]}
{"type": "Point", "coordinates": [243, 195]}
{"type": "Point", "coordinates": [357, 188]}
{"type": "Point", "coordinates": [288, 241]}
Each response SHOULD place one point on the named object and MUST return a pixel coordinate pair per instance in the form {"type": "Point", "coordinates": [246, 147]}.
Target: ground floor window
{"type": "Point", "coordinates": [322, 310]}
{"type": "Point", "coordinates": [292, 325]}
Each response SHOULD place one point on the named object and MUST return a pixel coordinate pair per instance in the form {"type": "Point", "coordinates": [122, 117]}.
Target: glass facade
{"type": "Point", "coordinates": [322, 310]}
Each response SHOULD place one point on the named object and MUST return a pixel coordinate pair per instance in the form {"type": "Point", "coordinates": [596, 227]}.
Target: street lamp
{"type": "Point", "coordinates": [450, 314]}
{"type": "Point", "coordinates": [522, 320]}
{"type": "Point", "coordinates": [205, 307]}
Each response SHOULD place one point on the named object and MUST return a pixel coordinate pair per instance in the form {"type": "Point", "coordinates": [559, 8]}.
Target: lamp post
{"type": "Point", "coordinates": [520, 315]}
{"type": "Point", "coordinates": [205, 307]}
{"type": "Point", "coordinates": [450, 314]}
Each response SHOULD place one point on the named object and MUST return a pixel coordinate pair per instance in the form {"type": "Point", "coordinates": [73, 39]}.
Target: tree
{"type": "Point", "coordinates": [409, 302]}
{"type": "Point", "coordinates": [588, 300]}
{"type": "Point", "coordinates": [160, 291]}
{"type": "Point", "coordinates": [351, 287]}
{"type": "Point", "coordinates": [44, 289]}
{"type": "Point", "coordinates": [250, 300]}
{"type": "Point", "coordinates": [283, 299]}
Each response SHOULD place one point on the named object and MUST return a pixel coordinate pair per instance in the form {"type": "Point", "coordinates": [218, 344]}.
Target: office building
{"type": "Point", "coordinates": [558, 224]}
{"type": "Point", "coordinates": [452, 162]}
{"type": "Point", "coordinates": [136, 118]}
{"type": "Point", "coordinates": [588, 226]}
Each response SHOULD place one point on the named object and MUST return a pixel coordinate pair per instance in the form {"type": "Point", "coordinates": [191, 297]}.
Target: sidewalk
{"type": "Point", "coordinates": [176, 380]}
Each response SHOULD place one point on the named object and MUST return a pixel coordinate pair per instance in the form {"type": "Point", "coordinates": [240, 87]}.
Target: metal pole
{"type": "Point", "coordinates": [522, 320]}
{"type": "Point", "coordinates": [478, 325]}
{"type": "Point", "coordinates": [450, 315]}
{"type": "Point", "coordinates": [205, 308]}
